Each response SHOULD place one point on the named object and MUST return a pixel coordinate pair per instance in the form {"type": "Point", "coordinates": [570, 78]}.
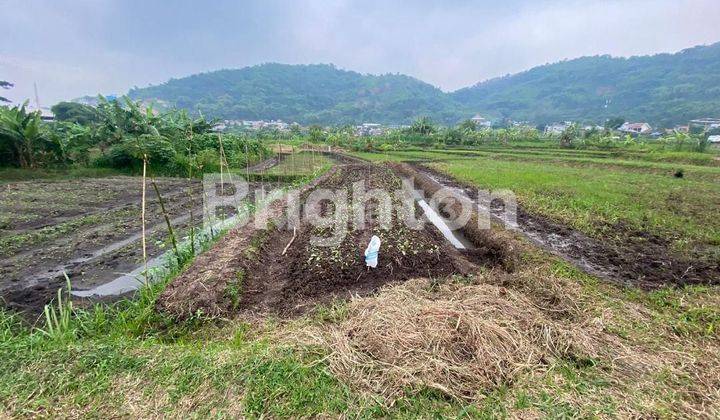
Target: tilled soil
{"type": "Point", "coordinates": [627, 256]}
{"type": "Point", "coordinates": [256, 277]}
{"type": "Point", "coordinates": [88, 228]}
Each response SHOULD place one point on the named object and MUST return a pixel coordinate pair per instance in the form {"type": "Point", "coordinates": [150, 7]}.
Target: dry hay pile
{"type": "Point", "coordinates": [458, 339]}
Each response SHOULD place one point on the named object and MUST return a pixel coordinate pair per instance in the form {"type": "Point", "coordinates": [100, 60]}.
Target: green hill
{"type": "Point", "coordinates": [306, 94]}
{"type": "Point", "coordinates": [663, 89]}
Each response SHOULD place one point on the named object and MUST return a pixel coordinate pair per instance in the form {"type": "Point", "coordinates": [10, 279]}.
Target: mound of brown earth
{"type": "Point", "coordinates": [283, 271]}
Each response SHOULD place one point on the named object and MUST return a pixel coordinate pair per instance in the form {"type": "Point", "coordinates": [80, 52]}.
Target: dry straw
{"type": "Point", "coordinates": [462, 340]}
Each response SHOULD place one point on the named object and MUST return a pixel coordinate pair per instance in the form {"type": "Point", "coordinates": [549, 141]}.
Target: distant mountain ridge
{"type": "Point", "coordinates": [316, 93]}
{"type": "Point", "coordinates": [663, 89]}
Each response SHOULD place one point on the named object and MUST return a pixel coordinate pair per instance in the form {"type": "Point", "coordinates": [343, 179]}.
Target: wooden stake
{"type": "Point", "coordinates": [142, 217]}
{"type": "Point", "coordinates": [291, 240]}
{"type": "Point", "coordinates": [167, 220]}
{"type": "Point", "coordinates": [190, 192]}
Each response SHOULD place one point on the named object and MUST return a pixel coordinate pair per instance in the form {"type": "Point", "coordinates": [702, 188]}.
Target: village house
{"type": "Point", "coordinates": [635, 128]}
{"type": "Point", "coordinates": [45, 113]}
{"type": "Point", "coordinates": [706, 123]}
{"type": "Point", "coordinates": [557, 129]}
{"type": "Point", "coordinates": [481, 121]}
{"type": "Point", "coordinates": [714, 141]}
{"type": "Point", "coordinates": [370, 129]}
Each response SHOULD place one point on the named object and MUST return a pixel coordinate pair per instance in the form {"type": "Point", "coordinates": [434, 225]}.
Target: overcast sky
{"type": "Point", "coordinates": [72, 48]}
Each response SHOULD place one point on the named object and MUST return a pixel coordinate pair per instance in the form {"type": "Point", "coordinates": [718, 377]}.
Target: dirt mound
{"type": "Point", "coordinates": [459, 339]}
{"type": "Point", "coordinates": [309, 274]}
{"type": "Point", "coordinates": [210, 287]}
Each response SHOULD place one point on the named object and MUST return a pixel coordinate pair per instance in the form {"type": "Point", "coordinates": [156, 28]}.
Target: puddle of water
{"type": "Point", "coordinates": [123, 284]}
{"type": "Point", "coordinates": [59, 270]}
{"type": "Point", "coordinates": [135, 279]}
{"type": "Point", "coordinates": [558, 244]}
{"type": "Point", "coordinates": [454, 237]}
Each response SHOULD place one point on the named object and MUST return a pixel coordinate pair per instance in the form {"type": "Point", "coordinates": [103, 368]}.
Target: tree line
{"type": "Point", "coordinates": [120, 134]}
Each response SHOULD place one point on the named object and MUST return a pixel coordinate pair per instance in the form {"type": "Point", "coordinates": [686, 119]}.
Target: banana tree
{"type": "Point", "coordinates": [22, 134]}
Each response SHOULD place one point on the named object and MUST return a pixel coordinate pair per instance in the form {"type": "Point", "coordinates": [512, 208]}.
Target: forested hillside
{"type": "Point", "coordinates": [306, 94]}
{"type": "Point", "coordinates": [664, 89]}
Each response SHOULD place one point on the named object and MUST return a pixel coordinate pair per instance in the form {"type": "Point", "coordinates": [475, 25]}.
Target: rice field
{"type": "Point", "coordinates": [474, 338]}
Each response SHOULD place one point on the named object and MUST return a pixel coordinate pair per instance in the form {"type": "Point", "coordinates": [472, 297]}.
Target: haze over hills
{"type": "Point", "coordinates": [664, 89]}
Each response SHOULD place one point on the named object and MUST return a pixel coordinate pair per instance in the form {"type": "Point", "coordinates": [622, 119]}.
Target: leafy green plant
{"type": "Point", "coordinates": [23, 140]}
{"type": "Point", "coordinates": [58, 323]}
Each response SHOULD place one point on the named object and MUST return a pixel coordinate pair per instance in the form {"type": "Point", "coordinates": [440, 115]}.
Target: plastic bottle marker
{"type": "Point", "coordinates": [371, 252]}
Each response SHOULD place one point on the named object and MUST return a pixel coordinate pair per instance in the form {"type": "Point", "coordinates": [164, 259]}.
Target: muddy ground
{"type": "Point", "coordinates": [280, 271]}
{"type": "Point", "coordinates": [88, 228]}
{"type": "Point", "coordinates": [626, 256]}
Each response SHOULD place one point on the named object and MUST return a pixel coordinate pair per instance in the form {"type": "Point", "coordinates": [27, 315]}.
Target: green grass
{"type": "Point", "coordinates": [109, 356]}
{"type": "Point", "coordinates": [662, 163]}
{"type": "Point", "coordinates": [129, 360]}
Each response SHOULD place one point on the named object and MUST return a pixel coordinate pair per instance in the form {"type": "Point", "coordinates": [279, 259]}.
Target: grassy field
{"type": "Point", "coordinates": [638, 353]}
{"type": "Point", "coordinates": [130, 361]}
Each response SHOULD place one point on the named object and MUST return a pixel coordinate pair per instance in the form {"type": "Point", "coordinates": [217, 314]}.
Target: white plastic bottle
{"type": "Point", "coordinates": [372, 251]}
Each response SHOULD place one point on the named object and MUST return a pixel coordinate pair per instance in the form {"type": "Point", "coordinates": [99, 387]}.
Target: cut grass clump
{"type": "Point", "coordinates": [461, 340]}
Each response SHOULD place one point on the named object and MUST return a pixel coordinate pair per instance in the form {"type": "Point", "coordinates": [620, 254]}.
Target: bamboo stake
{"type": "Point", "coordinates": [222, 180]}
{"type": "Point", "coordinates": [190, 191]}
{"type": "Point", "coordinates": [279, 154]}
{"type": "Point", "coordinates": [247, 162]}
{"type": "Point", "coordinates": [142, 217]}
{"type": "Point", "coordinates": [223, 157]}
{"type": "Point", "coordinates": [167, 220]}
{"type": "Point", "coordinates": [292, 156]}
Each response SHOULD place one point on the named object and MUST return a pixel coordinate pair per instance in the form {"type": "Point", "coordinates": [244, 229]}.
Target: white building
{"type": "Point", "coordinates": [635, 128]}
{"type": "Point", "coordinates": [45, 113]}
{"type": "Point", "coordinates": [481, 121]}
{"type": "Point", "coordinates": [557, 129]}
{"type": "Point", "coordinates": [370, 129]}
